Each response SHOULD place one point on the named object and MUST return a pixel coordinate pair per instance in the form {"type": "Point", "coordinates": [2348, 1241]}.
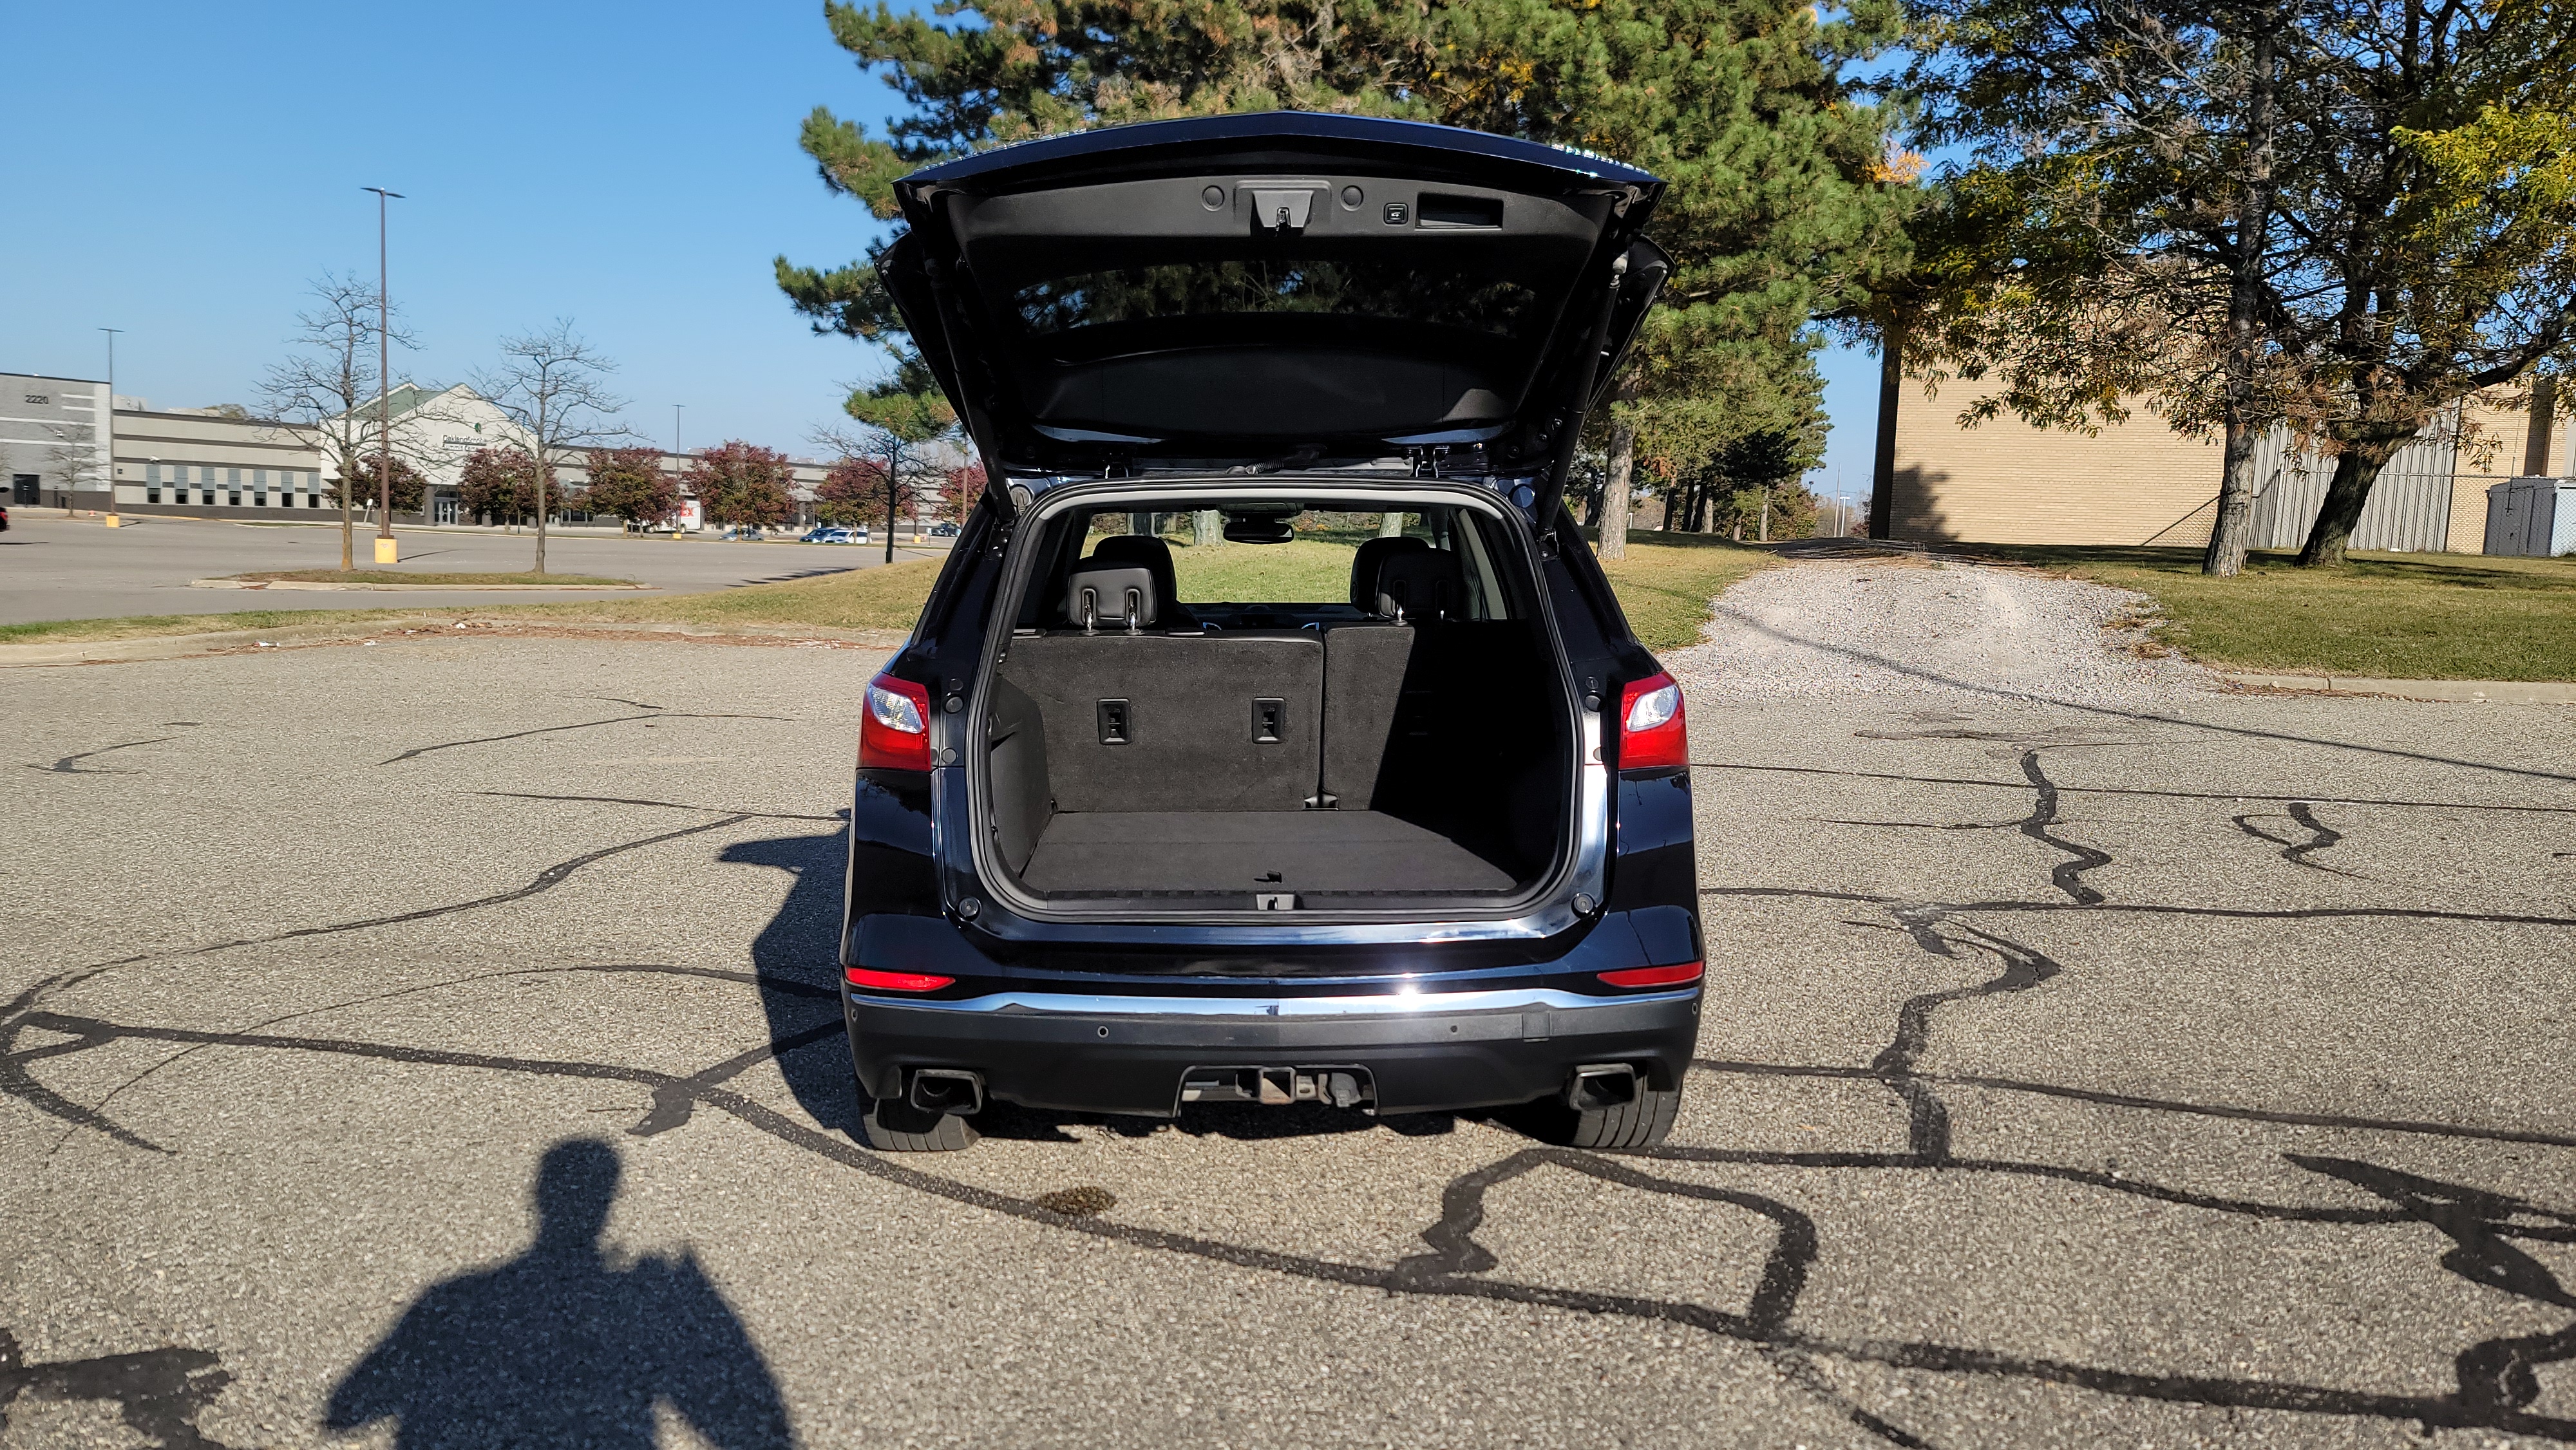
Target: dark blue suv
{"type": "Point", "coordinates": [1271, 735]}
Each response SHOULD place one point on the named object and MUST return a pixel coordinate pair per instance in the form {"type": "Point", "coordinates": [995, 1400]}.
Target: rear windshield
{"type": "Point", "coordinates": [1394, 290]}
{"type": "Point", "coordinates": [1307, 578]}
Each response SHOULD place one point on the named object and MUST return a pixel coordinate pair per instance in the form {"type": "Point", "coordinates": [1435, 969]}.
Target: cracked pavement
{"type": "Point", "coordinates": [443, 1034]}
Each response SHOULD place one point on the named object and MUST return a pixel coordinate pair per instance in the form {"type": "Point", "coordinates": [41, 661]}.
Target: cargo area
{"type": "Point", "coordinates": [1403, 744]}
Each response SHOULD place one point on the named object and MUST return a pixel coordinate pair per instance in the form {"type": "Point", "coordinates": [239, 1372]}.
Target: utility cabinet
{"type": "Point", "coordinates": [2532, 517]}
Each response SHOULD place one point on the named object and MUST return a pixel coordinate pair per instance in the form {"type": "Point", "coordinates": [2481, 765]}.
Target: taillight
{"type": "Point", "coordinates": [894, 981]}
{"type": "Point", "coordinates": [1652, 735]}
{"type": "Point", "coordinates": [1672, 976]}
{"type": "Point", "coordinates": [895, 733]}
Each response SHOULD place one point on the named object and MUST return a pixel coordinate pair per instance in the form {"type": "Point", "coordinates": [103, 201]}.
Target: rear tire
{"type": "Point", "coordinates": [1640, 1122]}
{"type": "Point", "coordinates": [895, 1126]}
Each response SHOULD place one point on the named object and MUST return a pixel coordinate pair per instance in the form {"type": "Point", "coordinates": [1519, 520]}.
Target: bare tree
{"type": "Point", "coordinates": [549, 384]}
{"type": "Point", "coordinates": [76, 459]}
{"type": "Point", "coordinates": [320, 392]}
{"type": "Point", "coordinates": [905, 471]}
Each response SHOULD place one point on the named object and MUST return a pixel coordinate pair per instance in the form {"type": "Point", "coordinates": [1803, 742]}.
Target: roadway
{"type": "Point", "coordinates": [53, 567]}
{"type": "Point", "coordinates": [444, 1032]}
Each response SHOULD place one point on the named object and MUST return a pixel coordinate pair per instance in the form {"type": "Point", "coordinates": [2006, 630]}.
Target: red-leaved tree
{"type": "Point", "coordinates": [742, 485]}
{"type": "Point", "coordinates": [408, 486]}
{"type": "Point", "coordinates": [630, 484]}
{"type": "Point", "coordinates": [856, 491]}
{"type": "Point", "coordinates": [500, 484]}
{"type": "Point", "coordinates": [961, 490]}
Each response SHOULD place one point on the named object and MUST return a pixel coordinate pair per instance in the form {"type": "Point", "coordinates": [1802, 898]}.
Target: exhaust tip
{"type": "Point", "coordinates": [1598, 1085]}
{"type": "Point", "coordinates": [947, 1090]}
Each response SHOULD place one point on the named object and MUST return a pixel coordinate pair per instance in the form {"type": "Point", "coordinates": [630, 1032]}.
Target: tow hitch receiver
{"type": "Point", "coordinates": [1343, 1087]}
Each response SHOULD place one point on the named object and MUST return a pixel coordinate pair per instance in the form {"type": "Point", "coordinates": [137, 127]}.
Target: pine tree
{"type": "Point", "coordinates": [1779, 208]}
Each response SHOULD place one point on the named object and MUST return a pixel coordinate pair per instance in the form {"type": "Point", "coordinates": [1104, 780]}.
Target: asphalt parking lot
{"type": "Point", "coordinates": [52, 567]}
{"type": "Point", "coordinates": [442, 1034]}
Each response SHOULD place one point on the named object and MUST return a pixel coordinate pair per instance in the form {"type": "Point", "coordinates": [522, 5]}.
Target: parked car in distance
{"type": "Point", "coordinates": [829, 534]}
{"type": "Point", "coordinates": [943, 530]}
{"type": "Point", "coordinates": [1423, 845]}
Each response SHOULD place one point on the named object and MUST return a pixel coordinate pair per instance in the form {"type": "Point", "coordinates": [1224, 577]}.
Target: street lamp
{"type": "Point", "coordinates": [385, 547]}
{"type": "Point", "coordinates": [112, 520]}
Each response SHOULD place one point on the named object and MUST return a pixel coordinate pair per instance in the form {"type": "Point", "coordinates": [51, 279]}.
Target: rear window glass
{"type": "Point", "coordinates": [1235, 584]}
{"type": "Point", "coordinates": [1394, 291]}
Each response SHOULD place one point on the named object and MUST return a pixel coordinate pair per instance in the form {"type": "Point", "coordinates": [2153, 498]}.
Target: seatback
{"type": "Point", "coordinates": [1189, 711]}
{"type": "Point", "coordinates": [1364, 672]}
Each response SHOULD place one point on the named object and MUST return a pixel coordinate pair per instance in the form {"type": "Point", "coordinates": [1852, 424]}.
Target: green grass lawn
{"type": "Point", "coordinates": [452, 579]}
{"type": "Point", "coordinates": [1666, 582]}
{"type": "Point", "coordinates": [2381, 616]}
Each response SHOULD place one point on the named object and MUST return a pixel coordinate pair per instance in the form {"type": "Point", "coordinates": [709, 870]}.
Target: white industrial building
{"type": "Point", "coordinates": [60, 438]}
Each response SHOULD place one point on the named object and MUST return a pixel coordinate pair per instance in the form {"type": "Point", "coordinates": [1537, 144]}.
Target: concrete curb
{"type": "Point", "coordinates": [2465, 692]}
{"type": "Point", "coordinates": [317, 586]}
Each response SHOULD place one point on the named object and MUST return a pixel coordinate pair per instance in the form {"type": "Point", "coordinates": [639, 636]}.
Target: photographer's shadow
{"type": "Point", "coordinates": [559, 1346]}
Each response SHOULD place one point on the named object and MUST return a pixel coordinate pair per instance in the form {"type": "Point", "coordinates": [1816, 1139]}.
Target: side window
{"type": "Point", "coordinates": [1478, 548]}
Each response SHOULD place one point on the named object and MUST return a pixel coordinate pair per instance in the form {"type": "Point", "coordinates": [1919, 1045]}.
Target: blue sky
{"type": "Point", "coordinates": [184, 171]}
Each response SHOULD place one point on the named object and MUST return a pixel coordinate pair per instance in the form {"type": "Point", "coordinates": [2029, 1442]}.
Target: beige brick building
{"type": "Point", "coordinates": [2140, 482]}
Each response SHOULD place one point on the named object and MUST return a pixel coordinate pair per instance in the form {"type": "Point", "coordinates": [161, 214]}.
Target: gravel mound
{"type": "Point", "coordinates": [1911, 626]}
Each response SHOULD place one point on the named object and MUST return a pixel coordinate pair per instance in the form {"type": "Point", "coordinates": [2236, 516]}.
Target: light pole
{"type": "Point", "coordinates": [386, 552]}
{"type": "Point", "coordinates": [112, 520]}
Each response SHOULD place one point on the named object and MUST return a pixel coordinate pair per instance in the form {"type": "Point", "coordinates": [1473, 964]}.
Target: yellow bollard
{"type": "Point", "coordinates": [113, 521]}
{"type": "Point", "coordinates": [386, 552]}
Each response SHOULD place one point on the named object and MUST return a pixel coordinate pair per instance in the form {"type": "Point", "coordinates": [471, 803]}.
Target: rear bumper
{"type": "Point", "coordinates": [1127, 1054]}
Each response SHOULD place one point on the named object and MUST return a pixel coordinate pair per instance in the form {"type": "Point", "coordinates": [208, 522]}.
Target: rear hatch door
{"type": "Point", "coordinates": [1287, 289]}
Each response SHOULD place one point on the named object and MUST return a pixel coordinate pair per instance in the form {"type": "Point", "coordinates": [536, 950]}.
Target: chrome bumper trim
{"type": "Point", "coordinates": [1376, 1004]}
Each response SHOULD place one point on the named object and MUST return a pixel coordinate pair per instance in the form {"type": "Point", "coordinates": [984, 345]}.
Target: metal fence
{"type": "Point", "coordinates": [2409, 508]}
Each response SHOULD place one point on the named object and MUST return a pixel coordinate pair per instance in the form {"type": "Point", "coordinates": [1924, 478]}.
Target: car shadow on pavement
{"type": "Point", "coordinates": [797, 955]}
{"type": "Point", "coordinates": [566, 1345]}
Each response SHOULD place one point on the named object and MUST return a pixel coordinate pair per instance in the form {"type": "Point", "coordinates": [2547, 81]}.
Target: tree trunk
{"type": "Point", "coordinates": [2228, 532]}
{"type": "Point", "coordinates": [1623, 466]}
{"type": "Point", "coordinates": [1763, 526]}
{"type": "Point", "coordinates": [890, 490]}
{"type": "Point", "coordinates": [1882, 487]}
{"type": "Point", "coordinates": [2356, 469]}
{"type": "Point", "coordinates": [1388, 525]}
{"type": "Point", "coordinates": [2225, 557]}
{"type": "Point", "coordinates": [540, 464]}
{"type": "Point", "coordinates": [348, 514]}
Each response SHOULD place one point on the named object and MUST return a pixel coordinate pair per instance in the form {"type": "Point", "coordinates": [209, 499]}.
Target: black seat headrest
{"type": "Point", "coordinates": [1122, 596]}
{"type": "Point", "coordinates": [1371, 558]}
{"type": "Point", "coordinates": [1427, 585]}
{"type": "Point", "coordinates": [1141, 551]}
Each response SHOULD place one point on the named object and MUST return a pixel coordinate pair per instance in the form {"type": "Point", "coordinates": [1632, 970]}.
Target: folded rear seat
{"type": "Point", "coordinates": [1369, 669]}
{"type": "Point", "coordinates": [1158, 722]}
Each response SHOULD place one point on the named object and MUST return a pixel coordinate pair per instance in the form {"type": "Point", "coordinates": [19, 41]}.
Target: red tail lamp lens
{"type": "Point", "coordinates": [1672, 976]}
{"type": "Point", "coordinates": [1652, 734]}
{"type": "Point", "coordinates": [895, 733]}
{"type": "Point", "coordinates": [870, 977]}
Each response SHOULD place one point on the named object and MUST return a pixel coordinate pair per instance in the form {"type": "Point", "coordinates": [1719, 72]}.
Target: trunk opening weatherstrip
{"type": "Point", "coordinates": [1544, 911]}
